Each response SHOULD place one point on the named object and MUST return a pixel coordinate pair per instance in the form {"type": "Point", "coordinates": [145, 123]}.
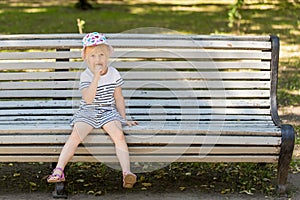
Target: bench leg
{"type": "Point", "coordinates": [285, 157]}
{"type": "Point", "coordinates": [59, 191]}
{"type": "Point", "coordinates": [59, 188]}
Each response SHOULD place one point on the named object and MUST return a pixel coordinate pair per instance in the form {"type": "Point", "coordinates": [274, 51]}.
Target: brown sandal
{"type": "Point", "coordinates": [129, 179]}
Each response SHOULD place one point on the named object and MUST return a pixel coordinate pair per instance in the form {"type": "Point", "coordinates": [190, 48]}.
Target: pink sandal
{"type": "Point", "coordinates": [129, 179]}
{"type": "Point", "coordinates": [58, 177]}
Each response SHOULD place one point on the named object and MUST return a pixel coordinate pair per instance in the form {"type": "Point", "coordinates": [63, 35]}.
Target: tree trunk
{"type": "Point", "coordinates": [83, 4]}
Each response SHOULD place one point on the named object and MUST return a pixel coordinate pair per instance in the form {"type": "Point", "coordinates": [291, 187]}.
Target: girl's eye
{"type": "Point", "coordinates": [94, 55]}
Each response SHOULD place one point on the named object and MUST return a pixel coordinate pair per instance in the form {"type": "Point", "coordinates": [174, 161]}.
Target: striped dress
{"type": "Point", "coordinates": [103, 109]}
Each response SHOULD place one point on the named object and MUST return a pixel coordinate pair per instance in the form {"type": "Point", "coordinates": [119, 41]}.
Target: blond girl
{"type": "Point", "coordinates": [102, 106]}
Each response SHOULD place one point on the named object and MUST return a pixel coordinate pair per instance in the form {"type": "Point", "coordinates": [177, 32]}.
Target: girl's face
{"type": "Point", "coordinates": [97, 57]}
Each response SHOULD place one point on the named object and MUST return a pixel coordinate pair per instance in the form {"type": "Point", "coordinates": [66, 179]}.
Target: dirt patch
{"type": "Point", "coordinates": [180, 181]}
{"type": "Point", "coordinates": [290, 115]}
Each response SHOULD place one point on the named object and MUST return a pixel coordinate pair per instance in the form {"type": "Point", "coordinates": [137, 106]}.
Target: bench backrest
{"type": "Point", "coordinates": [167, 77]}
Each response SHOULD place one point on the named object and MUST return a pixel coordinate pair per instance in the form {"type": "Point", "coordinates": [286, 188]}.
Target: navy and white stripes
{"type": "Point", "coordinates": [103, 109]}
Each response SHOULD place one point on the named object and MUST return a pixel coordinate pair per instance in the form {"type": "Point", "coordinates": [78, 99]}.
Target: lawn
{"type": "Point", "coordinates": [259, 17]}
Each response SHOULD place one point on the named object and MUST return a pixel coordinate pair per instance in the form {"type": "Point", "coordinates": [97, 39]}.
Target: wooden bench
{"type": "Point", "coordinates": [197, 99]}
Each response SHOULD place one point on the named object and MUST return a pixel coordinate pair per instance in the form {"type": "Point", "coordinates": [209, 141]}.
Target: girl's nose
{"type": "Point", "coordinates": [98, 58]}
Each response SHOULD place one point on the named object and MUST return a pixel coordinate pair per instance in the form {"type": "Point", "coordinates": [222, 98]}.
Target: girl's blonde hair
{"type": "Point", "coordinates": [101, 47]}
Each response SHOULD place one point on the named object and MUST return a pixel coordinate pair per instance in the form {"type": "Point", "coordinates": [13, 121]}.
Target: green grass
{"type": "Point", "coordinates": [280, 19]}
{"type": "Point", "coordinates": [109, 18]}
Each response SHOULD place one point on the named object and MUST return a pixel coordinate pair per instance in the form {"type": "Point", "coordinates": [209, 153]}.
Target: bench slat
{"type": "Point", "coordinates": [196, 84]}
{"type": "Point", "coordinates": [193, 54]}
{"type": "Point", "coordinates": [144, 158]}
{"type": "Point", "coordinates": [137, 84]}
{"type": "Point", "coordinates": [152, 127]}
{"type": "Point", "coordinates": [152, 111]}
{"type": "Point", "coordinates": [39, 103]}
{"type": "Point", "coordinates": [197, 93]}
{"type": "Point", "coordinates": [179, 117]}
{"type": "Point", "coordinates": [134, 53]}
{"type": "Point", "coordinates": [144, 150]}
{"type": "Point", "coordinates": [136, 75]}
{"type": "Point", "coordinates": [137, 36]}
{"type": "Point", "coordinates": [39, 55]}
{"type": "Point", "coordinates": [199, 65]}
{"type": "Point", "coordinates": [41, 65]}
{"type": "Point", "coordinates": [227, 111]}
{"type": "Point", "coordinates": [139, 65]}
{"type": "Point", "coordinates": [190, 43]}
{"type": "Point", "coordinates": [199, 103]}
{"type": "Point", "coordinates": [71, 106]}
{"type": "Point", "coordinates": [39, 75]}
{"type": "Point", "coordinates": [137, 43]}
{"type": "Point", "coordinates": [182, 103]}
{"type": "Point", "coordinates": [39, 85]}
{"type": "Point", "coordinates": [144, 93]}
{"type": "Point", "coordinates": [64, 120]}
{"type": "Point", "coordinates": [199, 117]}
{"type": "Point", "coordinates": [140, 139]}
{"type": "Point", "coordinates": [196, 75]}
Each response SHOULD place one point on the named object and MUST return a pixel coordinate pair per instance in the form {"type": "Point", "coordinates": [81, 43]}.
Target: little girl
{"type": "Point", "coordinates": [102, 106]}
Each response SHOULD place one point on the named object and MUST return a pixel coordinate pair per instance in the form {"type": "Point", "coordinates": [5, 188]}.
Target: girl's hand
{"type": "Point", "coordinates": [132, 123]}
{"type": "Point", "coordinates": [98, 70]}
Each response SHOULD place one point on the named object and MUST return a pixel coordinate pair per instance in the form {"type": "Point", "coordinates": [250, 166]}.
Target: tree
{"type": "Point", "coordinates": [83, 4]}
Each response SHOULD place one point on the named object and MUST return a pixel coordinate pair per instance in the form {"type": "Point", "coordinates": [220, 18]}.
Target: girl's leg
{"type": "Point", "coordinates": [114, 129]}
{"type": "Point", "coordinates": [80, 131]}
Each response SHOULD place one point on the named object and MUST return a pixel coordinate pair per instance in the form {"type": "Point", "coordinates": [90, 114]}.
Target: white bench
{"type": "Point", "coordinates": [197, 99]}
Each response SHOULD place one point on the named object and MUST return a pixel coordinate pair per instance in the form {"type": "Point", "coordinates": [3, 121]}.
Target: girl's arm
{"type": "Point", "coordinates": [120, 104]}
{"type": "Point", "coordinates": [89, 93]}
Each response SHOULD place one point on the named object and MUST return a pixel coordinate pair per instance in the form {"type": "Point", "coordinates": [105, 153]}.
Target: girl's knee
{"type": "Point", "coordinates": [118, 126]}
{"type": "Point", "coordinates": [80, 131]}
{"type": "Point", "coordinates": [114, 129]}
{"type": "Point", "coordinates": [76, 137]}
{"type": "Point", "coordinates": [119, 137]}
